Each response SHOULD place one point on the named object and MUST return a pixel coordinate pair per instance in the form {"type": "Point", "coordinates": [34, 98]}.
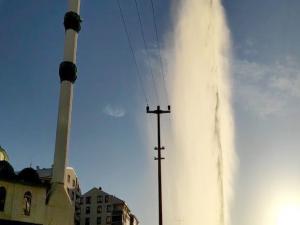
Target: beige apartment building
{"type": "Point", "coordinates": [101, 208]}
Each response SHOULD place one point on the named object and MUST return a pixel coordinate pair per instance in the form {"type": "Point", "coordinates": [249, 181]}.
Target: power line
{"type": "Point", "coordinates": [159, 48]}
{"type": "Point", "coordinates": [132, 51]}
{"type": "Point", "coordinates": [146, 48]}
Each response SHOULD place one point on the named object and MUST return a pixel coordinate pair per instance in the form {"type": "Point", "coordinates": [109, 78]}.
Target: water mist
{"type": "Point", "coordinates": [199, 165]}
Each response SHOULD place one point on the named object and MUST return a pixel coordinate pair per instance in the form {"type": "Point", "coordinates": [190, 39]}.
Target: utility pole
{"type": "Point", "coordinates": [158, 112]}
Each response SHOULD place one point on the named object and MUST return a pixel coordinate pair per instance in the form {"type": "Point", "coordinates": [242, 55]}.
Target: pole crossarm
{"type": "Point", "coordinates": [158, 112]}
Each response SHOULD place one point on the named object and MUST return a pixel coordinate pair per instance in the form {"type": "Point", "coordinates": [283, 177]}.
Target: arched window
{"type": "Point", "coordinates": [2, 198]}
{"type": "Point", "coordinates": [27, 203]}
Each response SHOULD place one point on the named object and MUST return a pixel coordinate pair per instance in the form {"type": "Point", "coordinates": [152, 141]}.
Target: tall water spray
{"type": "Point", "coordinates": [199, 168]}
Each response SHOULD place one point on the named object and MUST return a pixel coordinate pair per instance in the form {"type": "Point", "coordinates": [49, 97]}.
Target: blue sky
{"type": "Point", "coordinates": [108, 138]}
{"type": "Point", "coordinates": [266, 83]}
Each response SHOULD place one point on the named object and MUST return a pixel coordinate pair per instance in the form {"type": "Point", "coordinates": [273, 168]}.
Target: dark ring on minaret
{"type": "Point", "coordinates": [67, 71]}
{"type": "Point", "coordinates": [72, 21]}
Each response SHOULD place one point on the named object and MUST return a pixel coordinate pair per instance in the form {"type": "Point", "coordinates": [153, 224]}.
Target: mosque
{"type": "Point", "coordinates": [25, 198]}
{"type": "Point", "coordinates": [34, 184]}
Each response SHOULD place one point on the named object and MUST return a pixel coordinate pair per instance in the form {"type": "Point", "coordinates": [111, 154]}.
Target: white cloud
{"type": "Point", "coordinates": [114, 111]}
{"type": "Point", "coordinates": [267, 89]}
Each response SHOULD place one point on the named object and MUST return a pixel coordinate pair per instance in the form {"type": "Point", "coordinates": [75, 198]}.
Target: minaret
{"type": "Point", "coordinates": [67, 73]}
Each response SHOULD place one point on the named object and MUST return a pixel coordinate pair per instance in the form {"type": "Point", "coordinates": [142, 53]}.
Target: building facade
{"type": "Point", "coordinates": [72, 186]}
{"type": "Point", "coordinates": [25, 199]}
{"type": "Point", "coordinates": [22, 197]}
{"type": "Point", "coordinates": [101, 208]}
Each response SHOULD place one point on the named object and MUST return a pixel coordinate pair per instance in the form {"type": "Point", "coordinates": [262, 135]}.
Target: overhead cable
{"type": "Point", "coordinates": [146, 48]}
{"type": "Point", "coordinates": [132, 51]}
{"type": "Point", "coordinates": [159, 48]}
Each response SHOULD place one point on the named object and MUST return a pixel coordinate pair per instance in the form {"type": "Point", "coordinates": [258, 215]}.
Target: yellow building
{"type": "Point", "coordinates": [26, 200]}
{"type": "Point", "coordinates": [22, 197]}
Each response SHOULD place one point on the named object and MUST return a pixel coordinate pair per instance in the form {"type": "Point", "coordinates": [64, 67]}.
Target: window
{"type": "Point", "coordinates": [98, 220]}
{"type": "Point", "coordinates": [99, 199]}
{"type": "Point", "coordinates": [72, 195]}
{"type": "Point", "coordinates": [78, 210]}
{"type": "Point", "coordinates": [99, 209]}
{"type": "Point", "coordinates": [106, 198]}
{"type": "Point", "coordinates": [73, 183]}
{"type": "Point", "coordinates": [27, 203]}
{"type": "Point", "coordinates": [69, 178]}
{"type": "Point", "coordinates": [117, 219]}
{"type": "Point", "coordinates": [88, 200]}
{"type": "Point", "coordinates": [108, 219]}
{"type": "Point", "coordinates": [2, 198]}
{"type": "Point", "coordinates": [108, 208]}
{"type": "Point", "coordinates": [87, 221]}
{"type": "Point", "coordinates": [87, 210]}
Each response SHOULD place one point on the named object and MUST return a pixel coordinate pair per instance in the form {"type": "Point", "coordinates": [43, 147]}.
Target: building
{"type": "Point", "coordinates": [23, 197]}
{"type": "Point", "coordinates": [71, 181]}
{"type": "Point", "coordinates": [71, 186]}
{"type": "Point", "coordinates": [100, 208]}
{"type": "Point", "coordinates": [3, 154]}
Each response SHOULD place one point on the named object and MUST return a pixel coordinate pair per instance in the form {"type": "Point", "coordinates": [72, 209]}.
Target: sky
{"type": "Point", "coordinates": [108, 146]}
{"type": "Point", "coordinates": [266, 103]}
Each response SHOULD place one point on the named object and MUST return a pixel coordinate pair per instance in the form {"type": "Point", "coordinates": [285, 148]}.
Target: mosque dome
{"type": "Point", "coordinates": [3, 154]}
{"type": "Point", "coordinates": [6, 170]}
{"type": "Point", "coordinates": [29, 175]}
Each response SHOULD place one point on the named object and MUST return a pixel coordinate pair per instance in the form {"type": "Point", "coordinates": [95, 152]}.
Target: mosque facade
{"type": "Point", "coordinates": [23, 197]}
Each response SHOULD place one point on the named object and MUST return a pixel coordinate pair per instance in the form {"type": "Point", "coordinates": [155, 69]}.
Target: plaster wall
{"type": "Point", "coordinates": [14, 204]}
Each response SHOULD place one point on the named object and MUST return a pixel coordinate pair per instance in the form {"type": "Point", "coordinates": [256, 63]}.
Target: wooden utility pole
{"type": "Point", "coordinates": [158, 112]}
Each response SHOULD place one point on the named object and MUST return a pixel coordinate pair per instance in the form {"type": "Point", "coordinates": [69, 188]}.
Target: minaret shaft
{"type": "Point", "coordinates": [63, 131]}
{"type": "Point", "coordinates": [70, 50]}
{"type": "Point", "coordinates": [68, 76]}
